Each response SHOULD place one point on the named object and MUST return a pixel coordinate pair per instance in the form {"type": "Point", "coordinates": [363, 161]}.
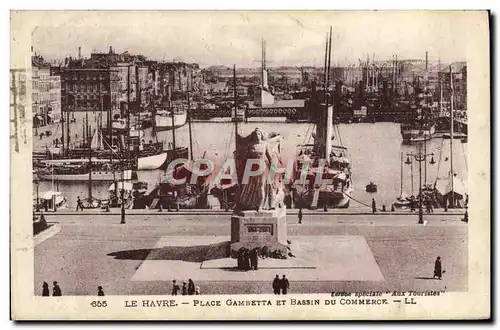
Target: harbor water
{"type": "Point", "coordinates": [374, 150]}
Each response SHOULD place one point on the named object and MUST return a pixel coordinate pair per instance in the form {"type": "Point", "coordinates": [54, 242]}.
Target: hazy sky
{"type": "Point", "coordinates": [293, 38]}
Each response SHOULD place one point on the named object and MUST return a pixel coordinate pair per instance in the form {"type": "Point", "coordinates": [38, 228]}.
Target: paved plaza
{"type": "Point", "coordinates": [333, 253]}
{"type": "Point", "coordinates": [317, 258]}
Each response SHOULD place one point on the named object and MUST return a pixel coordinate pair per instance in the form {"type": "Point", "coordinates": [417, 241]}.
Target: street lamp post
{"type": "Point", "coordinates": [420, 157]}
{"type": "Point", "coordinates": [122, 193]}
{"type": "Point", "coordinates": [37, 208]}
{"type": "Point", "coordinates": [123, 207]}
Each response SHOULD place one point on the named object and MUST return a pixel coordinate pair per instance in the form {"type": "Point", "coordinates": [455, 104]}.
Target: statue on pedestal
{"type": "Point", "coordinates": [261, 192]}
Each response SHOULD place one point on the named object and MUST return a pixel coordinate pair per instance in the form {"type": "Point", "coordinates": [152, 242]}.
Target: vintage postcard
{"type": "Point", "coordinates": [259, 165]}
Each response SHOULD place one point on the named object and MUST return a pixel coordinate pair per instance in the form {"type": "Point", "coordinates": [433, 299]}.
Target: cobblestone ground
{"type": "Point", "coordinates": [82, 255]}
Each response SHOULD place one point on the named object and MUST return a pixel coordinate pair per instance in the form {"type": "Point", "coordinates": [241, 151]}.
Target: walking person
{"type": "Point", "coordinates": [56, 290]}
{"type": "Point", "coordinates": [374, 206]}
{"type": "Point", "coordinates": [254, 259]}
{"type": "Point", "coordinates": [175, 288]}
{"type": "Point", "coordinates": [284, 285]}
{"type": "Point", "coordinates": [45, 289]}
{"type": "Point", "coordinates": [191, 287]}
{"type": "Point", "coordinates": [438, 269]}
{"type": "Point", "coordinates": [184, 289]}
{"type": "Point", "coordinates": [79, 204]}
{"type": "Point", "coordinates": [276, 285]}
{"type": "Point", "coordinates": [300, 215]}
{"type": "Point", "coordinates": [100, 293]}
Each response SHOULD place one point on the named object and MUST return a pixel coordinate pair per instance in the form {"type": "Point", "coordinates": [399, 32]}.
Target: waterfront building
{"type": "Point", "coordinates": [86, 86]}
{"type": "Point", "coordinates": [127, 84]}
{"type": "Point", "coordinates": [179, 77]}
{"type": "Point", "coordinates": [459, 71]}
{"type": "Point", "coordinates": [46, 93]}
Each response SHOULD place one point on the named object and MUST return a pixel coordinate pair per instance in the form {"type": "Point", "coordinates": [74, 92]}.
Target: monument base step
{"type": "Point", "coordinates": [268, 263]}
{"type": "Point", "coordinates": [213, 260]}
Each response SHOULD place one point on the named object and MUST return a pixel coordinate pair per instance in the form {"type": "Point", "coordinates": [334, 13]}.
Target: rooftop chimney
{"type": "Point", "coordinates": [110, 49]}
{"type": "Point", "coordinates": [79, 52]}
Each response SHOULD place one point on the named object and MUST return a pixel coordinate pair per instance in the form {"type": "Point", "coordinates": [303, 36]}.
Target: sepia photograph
{"type": "Point", "coordinates": [194, 162]}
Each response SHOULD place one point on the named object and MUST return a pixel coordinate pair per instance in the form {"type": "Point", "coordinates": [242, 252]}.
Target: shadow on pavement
{"type": "Point", "coordinates": [141, 254]}
{"type": "Point", "coordinates": [197, 253]}
{"type": "Point", "coordinates": [425, 278]}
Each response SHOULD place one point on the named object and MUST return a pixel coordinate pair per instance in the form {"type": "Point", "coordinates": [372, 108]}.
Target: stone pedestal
{"type": "Point", "coordinates": [259, 228]}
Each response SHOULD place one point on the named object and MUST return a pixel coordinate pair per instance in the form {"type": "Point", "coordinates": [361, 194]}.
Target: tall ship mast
{"type": "Point", "coordinates": [327, 158]}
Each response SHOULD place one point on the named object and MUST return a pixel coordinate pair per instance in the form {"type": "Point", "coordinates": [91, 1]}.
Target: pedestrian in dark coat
{"type": "Point", "coordinates": [79, 204]}
{"type": "Point", "coordinates": [184, 289]}
{"type": "Point", "coordinates": [246, 260]}
{"type": "Point", "coordinates": [100, 293]}
{"type": "Point", "coordinates": [251, 259]}
{"type": "Point", "coordinates": [191, 287]}
{"type": "Point", "coordinates": [300, 215]}
{"type": "Point", "coordinates": [45, 289]}
{"type": "Point", "coordinates": [175, 288]}
{"type": "Point", "coordinates": [56, 291]}
{"type": "Point", "coordinates": [437, 268]}
{"type": "Point", "coordinates": [254, 258]}
{"type": "Point", "coordinates": [276, 285]}
{"type": "Point", "coordinates": [284, 285]}
{"type": "Point", "coordinates": [374, 206]}
{"type": "Point", "coordinates": [240, 259]}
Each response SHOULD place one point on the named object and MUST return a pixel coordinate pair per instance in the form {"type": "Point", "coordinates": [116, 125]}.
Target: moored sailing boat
{"type": "Point", "coordinates": [323, 160]}
{"type": "Point", "coordinates": [97, 166]}
{"type": "Point", "coordinates": [164, 119]}
{"type": "Point", "coordinates": [79, 170]}
{"type": "Point", "coordinates": [183, 196]}
{"type": "Point", "coordinates": [450, 190]}
{"type": "Point", "coordinates": [226, 190]}
{"type": "Point", "coordinates": [146, 156]}
{"type": "Point", "coordinates": [423, 126]}
{"type": "Point", "coordinates": [420, 130]}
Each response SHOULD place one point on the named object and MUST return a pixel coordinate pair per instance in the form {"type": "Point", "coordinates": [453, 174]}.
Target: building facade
{"type": "Point", "coordinates": [126, 85]}
{"type": "Point", "coordinates": [459, 73]}
{"type": "Point", "coordinates": [113, 82]}
{"type": "Point", "coordinates": [86, 89]}
{"type": "Point", "coordinates": [46, 93]}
